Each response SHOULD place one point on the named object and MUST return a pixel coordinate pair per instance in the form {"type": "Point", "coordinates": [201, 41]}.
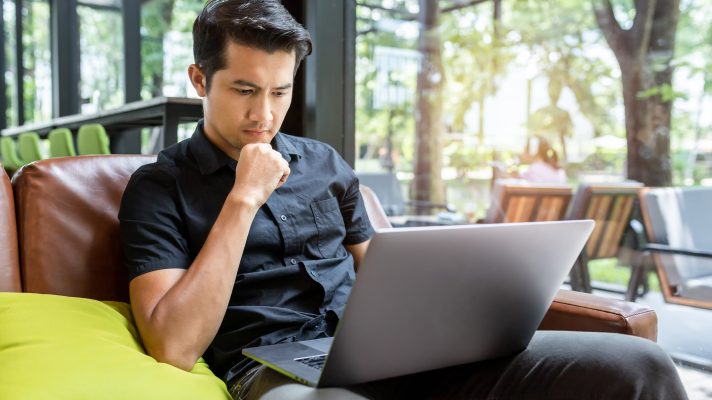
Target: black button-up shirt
{"type": "Point", "coordinates": [295, 274]}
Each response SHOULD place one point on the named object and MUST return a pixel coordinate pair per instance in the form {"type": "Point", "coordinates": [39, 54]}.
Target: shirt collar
{"type": "Point", "coordinates": [210, 158]}
{"type": "Point", "coordinates": [283, 144]}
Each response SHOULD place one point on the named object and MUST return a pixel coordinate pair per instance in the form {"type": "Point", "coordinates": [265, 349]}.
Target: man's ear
{"type": "Point", "coordinates": [197, 79]}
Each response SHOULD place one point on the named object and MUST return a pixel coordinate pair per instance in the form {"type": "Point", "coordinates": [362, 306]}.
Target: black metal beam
{"type": "Point", "coordinates": [294, 120]}
{"type": "Point", "coordinates": [130, 141]}
{"type": "Point", "coordinates": [330, 75]}
{"type": "Point", "coordinates": [64, 25]}
{"type": "Point", "coordinates": [3, 84]}
{"type": "Point", "coordinates": [19, 66]}
{"type": "Point", "coordinates": [132, 49]}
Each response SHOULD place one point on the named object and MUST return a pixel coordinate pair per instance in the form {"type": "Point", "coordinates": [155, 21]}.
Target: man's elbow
{"type": "Point", "coordinates": [173, 355]}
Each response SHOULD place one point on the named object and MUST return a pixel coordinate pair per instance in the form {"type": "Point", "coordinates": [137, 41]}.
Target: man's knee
{"type": "Point", "coordinates": [631, 356]}
{"type": "Point", "coordinates": [628, 364]}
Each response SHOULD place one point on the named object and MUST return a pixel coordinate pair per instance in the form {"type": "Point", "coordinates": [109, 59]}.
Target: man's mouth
{"type": "Point", "coordinates": [255, 132]}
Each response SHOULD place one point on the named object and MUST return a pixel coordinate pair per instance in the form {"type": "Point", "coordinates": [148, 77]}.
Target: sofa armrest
{"type": "Point", "coordinates": [576, 311]}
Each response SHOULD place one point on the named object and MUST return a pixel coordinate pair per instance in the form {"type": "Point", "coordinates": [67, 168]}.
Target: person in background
{"type": "Point", "coordinates": [545, 164]}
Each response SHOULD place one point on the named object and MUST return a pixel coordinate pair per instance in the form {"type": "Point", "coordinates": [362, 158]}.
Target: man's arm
{"type": "Point", "coordinates": [177, 311]}
{"type": "Point", "coordinates": [357, 251]}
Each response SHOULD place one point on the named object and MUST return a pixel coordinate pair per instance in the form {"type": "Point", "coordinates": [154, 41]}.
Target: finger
{"type": "Point", "coordinates": [284, 177]}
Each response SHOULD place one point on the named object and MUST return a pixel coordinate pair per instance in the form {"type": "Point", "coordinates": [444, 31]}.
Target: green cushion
{"type": "Point", "coordinates": [56, 347]}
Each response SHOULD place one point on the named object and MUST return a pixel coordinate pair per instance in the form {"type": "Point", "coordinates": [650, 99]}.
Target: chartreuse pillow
{"type": "Point", "coordinates": [56, 347]}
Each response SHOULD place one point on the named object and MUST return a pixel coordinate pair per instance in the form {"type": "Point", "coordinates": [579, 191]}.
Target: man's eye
{"type": "Point", "coordinates": [244, 92]}
{"type": "Point", "coordinates": [279, 94]}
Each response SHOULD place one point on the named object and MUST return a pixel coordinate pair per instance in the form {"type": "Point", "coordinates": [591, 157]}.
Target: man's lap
{"type": "Point", "coordinates": [555, 365]}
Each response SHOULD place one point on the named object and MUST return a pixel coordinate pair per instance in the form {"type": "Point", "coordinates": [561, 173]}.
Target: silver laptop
{"type": "Point", "coordinates": [433, 297]}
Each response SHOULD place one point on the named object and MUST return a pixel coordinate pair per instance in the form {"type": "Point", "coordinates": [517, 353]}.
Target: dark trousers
{"type": "Point", "coordinates": [555, 365]}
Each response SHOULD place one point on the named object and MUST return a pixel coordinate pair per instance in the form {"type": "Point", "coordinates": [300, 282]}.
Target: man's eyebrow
{"type": "Point", "coordinates": [241, 82]}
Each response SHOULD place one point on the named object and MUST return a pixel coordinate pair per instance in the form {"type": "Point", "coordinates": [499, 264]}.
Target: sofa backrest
{"type": "Point", "coordinates": [9, 264]}
{"type": "Point", "coordinates": [67, 223]}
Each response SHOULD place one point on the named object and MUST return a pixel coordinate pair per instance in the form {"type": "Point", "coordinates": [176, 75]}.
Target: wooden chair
{"type": "Point", "coordinates": [521, 201]}
{"type": "Point", "coordinates": [611, 206]}
{"type": "Point", "coordinates": [678, 225]}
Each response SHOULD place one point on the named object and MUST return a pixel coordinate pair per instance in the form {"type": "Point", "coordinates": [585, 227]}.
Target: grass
{"type": "Point", "coordinates": [606, 270]}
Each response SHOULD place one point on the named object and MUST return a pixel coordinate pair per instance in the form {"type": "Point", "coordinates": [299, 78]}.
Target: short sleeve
{"type": "Point", "coordinates": [152, 232]}
{"type": "Point", "coordinates": [353, 210]}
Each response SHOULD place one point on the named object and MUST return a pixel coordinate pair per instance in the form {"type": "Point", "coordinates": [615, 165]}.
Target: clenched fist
{"type": "Point", "coordinates": [260, 170]}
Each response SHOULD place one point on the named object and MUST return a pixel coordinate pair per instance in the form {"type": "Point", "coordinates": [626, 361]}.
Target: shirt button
{"type": "Point", "coordinates": [313, 273]}
{"type": "Point", "coordinates": [293, 261]}
{"type": "Point", "coordinates": [283, 217]}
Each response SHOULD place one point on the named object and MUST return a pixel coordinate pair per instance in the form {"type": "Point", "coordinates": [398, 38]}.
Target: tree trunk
{"type": "Point", "coordinates": [427, 183]}
{"type": "Point", "coordinates": [644, 53]}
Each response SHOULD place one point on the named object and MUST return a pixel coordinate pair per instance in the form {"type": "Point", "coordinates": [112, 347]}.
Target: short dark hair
{"type": "Point", "coordinates": [262, 24]}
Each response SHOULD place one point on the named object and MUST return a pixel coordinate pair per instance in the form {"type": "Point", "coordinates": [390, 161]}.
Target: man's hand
{"type": "Point", "coordinates": [260, 171]}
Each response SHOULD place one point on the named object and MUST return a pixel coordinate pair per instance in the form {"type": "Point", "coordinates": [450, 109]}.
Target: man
{"type": "Point", "coordinates": [244, 236]}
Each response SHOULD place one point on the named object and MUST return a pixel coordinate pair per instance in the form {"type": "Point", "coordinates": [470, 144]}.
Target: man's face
{"type": "Point", "coordinates": [248, 99]}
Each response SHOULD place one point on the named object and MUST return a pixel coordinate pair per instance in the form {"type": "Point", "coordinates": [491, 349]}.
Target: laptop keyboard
{"type": "Point", "coordinates": [313, 361]}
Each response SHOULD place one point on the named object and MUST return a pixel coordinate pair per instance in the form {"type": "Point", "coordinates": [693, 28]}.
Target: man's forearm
{"type": "Point", "coordinates": [186, 319]}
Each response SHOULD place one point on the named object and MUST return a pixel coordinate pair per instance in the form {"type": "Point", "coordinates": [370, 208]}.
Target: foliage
{"type": "Point", "coordinates": [156, 17]}
{"type": "Point", "coordinates": [564, 43]}
{"type": "Point", "coordinates": [467, 158]}
{"type": "Point", "coordinates": [476, 57]}
{"type": "Point", "coordinates": [102, 67]}
{"type": "Point", "coordinates": [36, 62]}
{"type": "Point", "coordinates": [604, 160]}
{"type": "Point", "coordinates": [391, 116]}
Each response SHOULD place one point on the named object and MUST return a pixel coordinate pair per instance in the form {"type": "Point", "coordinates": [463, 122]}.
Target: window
{"type": "Point", "coordinates": [101, 47]}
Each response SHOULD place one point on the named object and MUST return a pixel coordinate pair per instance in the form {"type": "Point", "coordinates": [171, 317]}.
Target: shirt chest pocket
{"type": "Point", "coordinates": [329, 225]}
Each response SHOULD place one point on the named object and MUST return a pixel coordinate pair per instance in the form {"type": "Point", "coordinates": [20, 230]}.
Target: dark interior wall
{"type": "Point", "coordinates": [294, 121]}
{"type": "Point", "coordinates": [323, 102]}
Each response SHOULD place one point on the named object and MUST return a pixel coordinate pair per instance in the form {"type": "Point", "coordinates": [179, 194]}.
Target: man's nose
{"type": "Point", "coordinates": [261, 110]}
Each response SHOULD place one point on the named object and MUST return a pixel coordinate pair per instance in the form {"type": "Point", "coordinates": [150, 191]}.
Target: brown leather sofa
{"type": "Point", "coordinates": [9, 262]}
{"type": "Point", "coordinates": [67, 231]}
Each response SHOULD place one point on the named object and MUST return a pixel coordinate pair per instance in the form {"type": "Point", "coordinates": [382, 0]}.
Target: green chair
{"type": "Point", "coordinates": [92, 139]}
{"type": "Point", "coordinates": [60, 143]}
{"type": "Point", "coordinates": [10, 159]}
{"type": "Point", "coordinates": [28, 144]}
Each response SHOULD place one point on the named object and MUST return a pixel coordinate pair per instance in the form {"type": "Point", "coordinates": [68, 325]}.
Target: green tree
{"type": "Point", "coordinates": [645, 53]}
{"type": "Point", "coordinates": [475, 56]}
{"type": "Point", "coordinates": [558, 37]}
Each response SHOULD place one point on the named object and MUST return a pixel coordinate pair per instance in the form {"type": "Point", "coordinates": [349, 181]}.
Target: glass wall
{"type": "Point", "coordinates": [10, 67]}
{"type": "Point", "coordinates": [481, 84]}
{"type": "Point", "coordinates": [37, 63]}
{"type": "Point", "coordinates": [166, 52]}
{"type": "Point", "coordinates": [454, 95]}
{"type": "Point", "coordinates": [166, 46]}
{"type": "Point", "coordinates": [101, 47]}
